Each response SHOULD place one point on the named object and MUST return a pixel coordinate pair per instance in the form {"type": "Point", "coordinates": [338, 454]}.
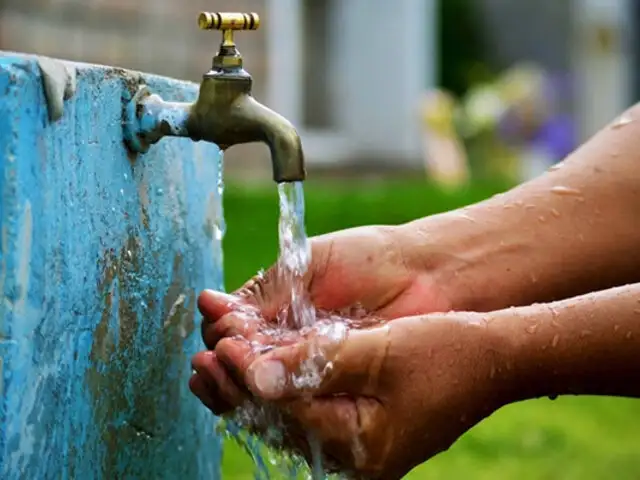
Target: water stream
{"type": "Point", "coordinates": [297, 313]}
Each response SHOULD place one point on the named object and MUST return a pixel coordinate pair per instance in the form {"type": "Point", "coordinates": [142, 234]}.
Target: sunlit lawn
{"type": "Point", "coordinates": [569, 438]}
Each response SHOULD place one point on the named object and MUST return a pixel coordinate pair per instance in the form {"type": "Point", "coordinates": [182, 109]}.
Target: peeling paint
{"type": "Point", "coordinates": [100, 262]}
{"type": "Point", "coordinates": [59, 82]}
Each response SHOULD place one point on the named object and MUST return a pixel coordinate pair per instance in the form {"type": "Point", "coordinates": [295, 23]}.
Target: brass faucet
{"type": "Point", "coordinates": [225, 112]}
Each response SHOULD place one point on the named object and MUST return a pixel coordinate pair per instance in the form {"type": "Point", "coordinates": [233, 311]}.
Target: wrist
{"type": "Point", "coordinates": [473, 259]}
{"type": "Point", "coordinates": [535, 348]}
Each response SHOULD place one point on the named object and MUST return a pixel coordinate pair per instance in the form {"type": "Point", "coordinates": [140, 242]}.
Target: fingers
{"type": "Point", "coordinates": [317, 366]}
{"type": "Point", "coordinates": [213, 304]}
{"type": "Point", "coordinates": [230, 325]}
{"type": "Point", "coordinates": [216, 307]}
{"type": "Point", "coordinates": [213, 386]}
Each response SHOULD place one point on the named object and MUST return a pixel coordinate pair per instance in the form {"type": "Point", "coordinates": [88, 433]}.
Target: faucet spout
{"type": "Point", "coordinates": [225, 112]}
{"type": "Point", "coordinates": [243, 119]}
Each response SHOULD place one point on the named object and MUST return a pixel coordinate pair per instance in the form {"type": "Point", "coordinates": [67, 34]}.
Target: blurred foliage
{"type": "Point", "coordinates": [462, 61]}
{"type": "Point", "coordinates": [577, 438]}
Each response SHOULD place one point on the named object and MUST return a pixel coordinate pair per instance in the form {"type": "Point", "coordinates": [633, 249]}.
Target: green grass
{"type": "Point", "coordinates": [569, 438]}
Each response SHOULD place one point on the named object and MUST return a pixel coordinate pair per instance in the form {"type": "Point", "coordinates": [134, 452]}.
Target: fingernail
{"type": "Point", "coordinates": [269, 378]}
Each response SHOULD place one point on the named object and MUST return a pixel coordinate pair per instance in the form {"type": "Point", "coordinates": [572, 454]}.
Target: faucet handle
{"type": "Point", "coordinates": [228, 21]}
{"type": "Point", "coordinates": [228, 56]}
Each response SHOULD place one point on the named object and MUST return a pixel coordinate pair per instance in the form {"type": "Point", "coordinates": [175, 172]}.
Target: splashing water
{"type": "Point", "coordinates": [297, 314]}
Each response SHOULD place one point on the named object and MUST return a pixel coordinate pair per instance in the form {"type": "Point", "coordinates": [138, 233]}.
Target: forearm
{"type": "Point", "coordinates": [588, 345]}
{"type": "Point", "coordinates": [570, 231]}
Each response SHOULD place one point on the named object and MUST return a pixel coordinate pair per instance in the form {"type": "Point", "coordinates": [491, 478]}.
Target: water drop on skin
{"type": "Point", "coordinates": [616, 328]}
{"type": "Point", "coordinates": [555, 213]}
{"type": "Point", "coordinates": [585, 333]}
{"type": "Point", "coordinates": [566, 191]}
{"type": "Point", "coordinates": [542, 219]}
{"type": "Point", "coordinates": [629, 335]}
{"type": "Point", "coordinates": [554, 342]}
{"type": "Point", "coordinates": [622, 121]}
{"type": "Point", "coordinates": [532, 328]}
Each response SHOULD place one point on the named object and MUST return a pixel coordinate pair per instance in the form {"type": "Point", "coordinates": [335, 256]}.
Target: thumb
{"type": "Point", "coordinates": [320, 366]}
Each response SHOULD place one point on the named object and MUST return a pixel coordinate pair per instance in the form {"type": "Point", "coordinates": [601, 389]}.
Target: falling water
{"type": "Point", "coordinates": [295, 257]}
{"type": "Point", "coordinates": [293, 262]}
{"type": "Point", "coordinates": [297, 313]}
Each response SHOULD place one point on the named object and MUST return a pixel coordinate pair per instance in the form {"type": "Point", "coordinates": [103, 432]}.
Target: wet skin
{"type": "Point", "coordinates": [424, 380]}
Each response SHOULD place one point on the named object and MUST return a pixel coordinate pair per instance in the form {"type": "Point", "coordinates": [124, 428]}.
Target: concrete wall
{"type": "Point", "coordinates": [101, 259]}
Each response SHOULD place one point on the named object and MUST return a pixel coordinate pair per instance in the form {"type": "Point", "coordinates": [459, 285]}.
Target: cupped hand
{"type": "Point", "coordinates": [388, 397]}
{"type": "Point", "coordinates": [374, 268]}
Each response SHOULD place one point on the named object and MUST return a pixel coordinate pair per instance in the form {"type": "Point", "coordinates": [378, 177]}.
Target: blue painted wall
{"type": "Point", "coordinates": [102, 255]}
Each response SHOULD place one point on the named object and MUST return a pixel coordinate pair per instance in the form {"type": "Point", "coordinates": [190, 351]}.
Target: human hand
{"type": "Point", "coordinates": [389, 397]}
{"type": "Point", "coordinates": [374, 268]}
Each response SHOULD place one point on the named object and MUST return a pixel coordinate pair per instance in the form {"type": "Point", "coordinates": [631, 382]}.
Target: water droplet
{"type": "Point", "coordinates": [629, 335]}
{"type": "Point", "coordinates": [585, 333]}
{"type": "Point", "coordinates": [566, 191]}
{"type": "Point", "coordinates": [430, 353]}
{"type": "Point", "coordinates": [534, 278]}
{"type": "Point", "coordinates": [467, 217]}
{"type": "Point", "coordinates": [622, 121]}
{"type": "Point", "coordinates": [581, 237]}
{"type": "Point", "coordinates": [126, 176]}
{"type": "Point", "coordinates": [554, 342]}
{"type": "Point", "coordinates": [159, 191]}
{"type": "Point", "coordinates": [555, 213]}
{"type": "Point", "coordinates": [122, 191]}
{"type": "Point", "coordinates": [636, 311]}
{"type": "Point", "coordinates": [542, 219]}
{"type": "Point", "coordinates": [616, 328]}
{"type": "Point", "coordinates": [529, 206]}
{"type": "Point", "coordinates": [556, 166]}
{"type": "Point", "coordinates": [532, 328]}
{"type": "Point", "coordinates": [492, 373]}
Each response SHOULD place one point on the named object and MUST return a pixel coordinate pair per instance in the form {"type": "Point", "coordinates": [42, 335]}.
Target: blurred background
{"type": "Point", "coordinates": [406, 108]}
